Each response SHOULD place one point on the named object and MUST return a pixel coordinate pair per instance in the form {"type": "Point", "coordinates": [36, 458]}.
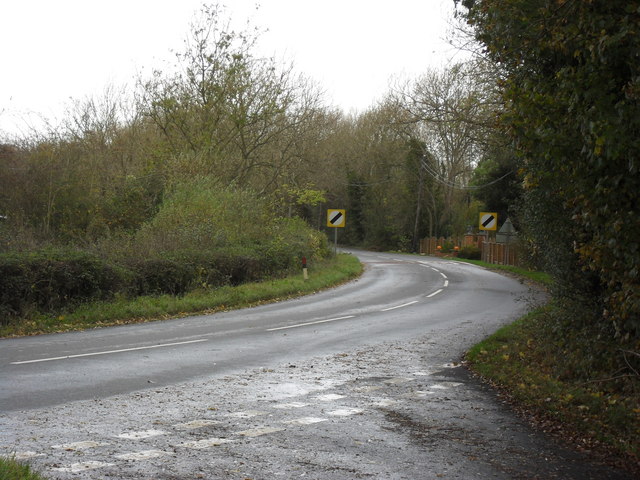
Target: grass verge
{"type": "Point", "coordinates": [325, 274]}
{"type": "Point", "coordinates": [558, 381]}
{"type": "Point", "coordinates": [534, 275]}
{"type": "Point", "coordinates": [11, 469]}
{"type": "Point", "coordinates": [539, 373]}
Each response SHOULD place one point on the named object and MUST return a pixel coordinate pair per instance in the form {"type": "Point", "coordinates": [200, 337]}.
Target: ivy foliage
{"type": "Point", "coordinates": [571, 85]}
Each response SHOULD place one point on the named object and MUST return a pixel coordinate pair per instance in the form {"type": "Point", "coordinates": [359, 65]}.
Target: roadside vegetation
{"type": "Point", "coordinates": [569, 111]}
{"type": "Point", "coordinates": [578, 387]}
{"type": "Point", "coordinates": [323, 273]}
{"type": "Point", "coordinates": [11, 469]}
{"type": "Point", "coordinates": [210, 180]}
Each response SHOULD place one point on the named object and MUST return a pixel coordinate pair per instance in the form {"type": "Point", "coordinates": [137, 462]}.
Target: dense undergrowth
{"type": "Point", "coordinates": [570, 380]}
{"type": "Point", "coordinates": [203, 238]}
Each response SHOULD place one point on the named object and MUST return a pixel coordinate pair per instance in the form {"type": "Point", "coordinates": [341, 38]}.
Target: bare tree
{"type": "Point", "coordinates": [450, 111]}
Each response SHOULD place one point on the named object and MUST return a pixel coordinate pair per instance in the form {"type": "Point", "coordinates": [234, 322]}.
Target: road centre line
{"type": "Point", "coordinates": [399, 306]}
{"type": "Point", "coordinates": [310, 323]}
{"type": "Point", "coordinates": [434, 293]}
{"type": "Point", "coordinates": [148, 347]}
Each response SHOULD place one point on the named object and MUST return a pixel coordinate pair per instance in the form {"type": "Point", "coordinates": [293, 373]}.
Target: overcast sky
{"type": "Point", "coordinates": [54, 50]}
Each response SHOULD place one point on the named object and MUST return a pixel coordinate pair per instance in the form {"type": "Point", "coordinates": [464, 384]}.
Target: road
{"type": "Point", "coordinates": [397, 298]}
{"type": "Point", "coordinates": [360, 381]}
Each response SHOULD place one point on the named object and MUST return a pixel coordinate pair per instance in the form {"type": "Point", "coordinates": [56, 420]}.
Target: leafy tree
{"type": "Point", "coordinates": [228, 112]}
{"type": "Point", "coordinates": [496, 184]}
{"type": "Point", "coordinates": [571, 87]}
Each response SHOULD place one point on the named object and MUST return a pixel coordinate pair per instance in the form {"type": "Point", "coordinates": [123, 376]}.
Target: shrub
{"type": "Point", "coordinates": [470, 252]}
{"type": "Point", "coordinates": [53, 278]}
{"type": "Point", "coordinates": [158, 276]}
{"type": "Point", "coordinates": [203, 236]}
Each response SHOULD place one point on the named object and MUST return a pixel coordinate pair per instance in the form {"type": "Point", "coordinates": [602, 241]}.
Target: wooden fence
{"type": "Point", "coordinates": [491, 252]}
{"type": "Point", "coordinates": [499, 253]}
{"type": "Point", "coordinates": [429, 246]}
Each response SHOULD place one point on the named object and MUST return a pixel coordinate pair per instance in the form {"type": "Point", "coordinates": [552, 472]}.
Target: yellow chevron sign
{"type": "Point", "coordinates": [336, 217]}
{"type": "Point", "coordinates": [488, 221]}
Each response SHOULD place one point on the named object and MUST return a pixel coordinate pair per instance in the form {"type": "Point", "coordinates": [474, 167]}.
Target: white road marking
{"type": "Point", "coordinates": [399, 306]}
{"type": "Point", "coordinates": [192, 425]}
{"type": "Point", "coordinates": [418, 394]}
{"type": "Point", "coordinates": [445, 385]}
{"type": "Point", "coordinates": [443, 275]}
{"type": "Point", "coordinates": [79, 445]}
{"type": "Point", "coordinates": [446, 283]}
{"type": "Point", "coordinates": [83, 467]}
{"type": "Point", "coordinates": [310, 323]}
{"type": "Point", "coordinates": [345, 412]}
{"type": "Point", "coordinates": [247, 414]}
{"type": "Point", "coordinates": [286, 406]}
{"type": "Point", "coordinates": [141, 435]}
{"type": "Point", "coordinates": [306, 421]}
{"type": "Point", "coordinates": [25, 455]}
{"type": "Point", "coordinates": [398, 380]}
{"type": "Point", "coordinates": [206, 443]}
{"type": "Point", "coordinates": [451, 365]}
{"type": "Point", "coordinates": [367, 388]}
{"type": "Point", "coordinates": [385, 402]}
{"type": "Point", "coordinates": [257, 432]}
{"type": "Point", "coordinates": [144, 455]}
{"type": "Point", "coordinates": [329, 397]}
{"type": "Point", "coordinates": [434, 293]}
{"type": "Point", "coordinates": [107, 352]}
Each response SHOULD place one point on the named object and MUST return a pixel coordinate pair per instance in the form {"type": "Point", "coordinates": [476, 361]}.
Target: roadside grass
{"type": "Point", "coordinates": [11, 469]}
{"type": "Point", "coordinates": [536, 371]}
{"type": "Point", "coordinates": [322, 275]}
{"type": "Point", "coordinates": [566, 385]}
{"type": "Point", "coordinates": [539, 277]}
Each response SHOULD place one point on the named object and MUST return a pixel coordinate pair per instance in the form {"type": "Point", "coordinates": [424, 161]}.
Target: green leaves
{"type": "Point", "coordinates": [571, 72]}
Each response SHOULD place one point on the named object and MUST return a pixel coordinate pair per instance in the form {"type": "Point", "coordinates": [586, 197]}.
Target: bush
{"type": "Point", "coordinates": [157, 276]}
{"type": "Point", "coordinates": [203, 236]}
{"type": "Point", "coordinates": [52, 279]}
{"type": "Point", "coordinates": [470, 252]}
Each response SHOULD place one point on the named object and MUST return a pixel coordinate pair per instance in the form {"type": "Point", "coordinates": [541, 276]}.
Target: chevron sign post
{"type": "Point", "coordinates": [336, 218]}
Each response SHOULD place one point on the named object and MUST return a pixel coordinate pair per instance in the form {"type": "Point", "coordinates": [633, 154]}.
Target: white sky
{"type": "Point", "coordinates": [54, 50]}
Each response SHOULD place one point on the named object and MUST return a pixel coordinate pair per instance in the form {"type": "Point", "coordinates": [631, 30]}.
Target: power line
{"type": "Point", "coordinates": [450, 183]}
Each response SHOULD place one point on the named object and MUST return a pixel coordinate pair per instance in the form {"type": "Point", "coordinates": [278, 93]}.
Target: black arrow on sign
{"type": "Point", "coordinates": [488, 221]}
{"type": "Point", "coordinates": [335, 219]}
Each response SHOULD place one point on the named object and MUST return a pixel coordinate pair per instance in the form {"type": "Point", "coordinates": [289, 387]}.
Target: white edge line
{"type": "Point", "coordinates": [109, 352]}
{"type": "Point", "coordinates": [399, 306]}
{"type": "Point", "coordinates": [434, 293]}
{"type": "Point", "coordinates": [310, 323]}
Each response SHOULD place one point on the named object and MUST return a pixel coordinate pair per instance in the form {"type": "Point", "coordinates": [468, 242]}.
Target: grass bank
{"type": "Point", "coordinates": [533, 275]}
{"type": "Point", "coordinates": [561, 385]}
{"type": "Point", "coordinates": [325, 274]}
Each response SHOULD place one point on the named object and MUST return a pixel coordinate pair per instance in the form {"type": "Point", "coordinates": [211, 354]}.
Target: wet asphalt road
{"type": "Point", "coordinates": [358, 382]}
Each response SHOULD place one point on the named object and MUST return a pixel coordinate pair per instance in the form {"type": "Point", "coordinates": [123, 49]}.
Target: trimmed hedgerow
{"type": "Point", "coordinates": [203, 237]}
{"type": "Point", "coordinates": [54, 278]}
